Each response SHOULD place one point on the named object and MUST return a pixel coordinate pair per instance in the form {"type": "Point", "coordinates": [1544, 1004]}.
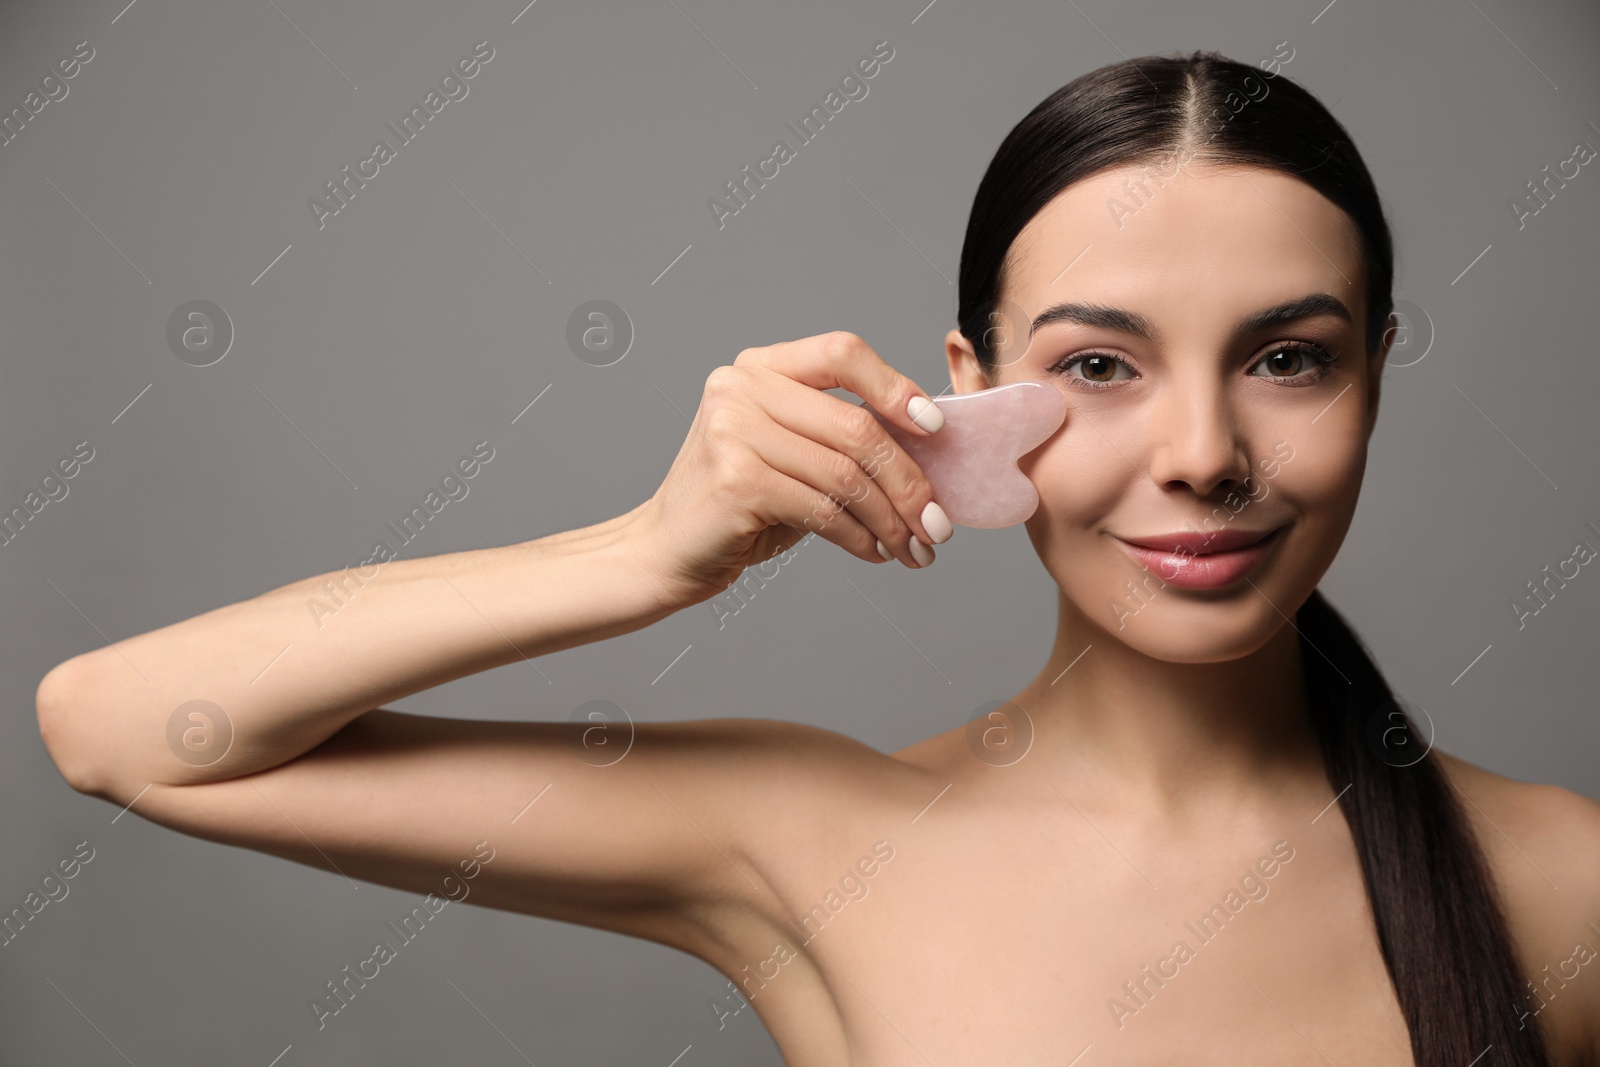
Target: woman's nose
{"type": "Point", "coordinates": [1196, 440]}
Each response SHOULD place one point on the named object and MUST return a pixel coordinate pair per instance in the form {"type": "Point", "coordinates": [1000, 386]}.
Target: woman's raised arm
{"type": "Point", "coordinates": [257, 725]}
{"type": "Point", "coordinates": [766, 459]}
{"type": "Point", "coordinates": [283, 678]}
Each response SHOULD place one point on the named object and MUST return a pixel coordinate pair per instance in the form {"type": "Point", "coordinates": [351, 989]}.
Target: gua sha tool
{"type": "Point", "coordinates": [972, 460]}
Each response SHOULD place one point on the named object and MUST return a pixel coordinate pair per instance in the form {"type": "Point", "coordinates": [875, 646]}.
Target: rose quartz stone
{"type": "Point", "coordinates": [972, 460]}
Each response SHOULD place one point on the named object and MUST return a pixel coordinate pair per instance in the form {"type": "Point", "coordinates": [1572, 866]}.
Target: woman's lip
{"type": "Point", "coordinates": [1211, 570]}
{"type": "Point", "coordinates": [1194, 542]}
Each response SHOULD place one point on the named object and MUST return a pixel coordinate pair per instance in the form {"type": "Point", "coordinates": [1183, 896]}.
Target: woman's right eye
{"type": "Point", "coordinates": [1098, 369]}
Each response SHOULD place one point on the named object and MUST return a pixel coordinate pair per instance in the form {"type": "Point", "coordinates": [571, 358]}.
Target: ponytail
{"type": "Point", "coordinates": [1443, 935]}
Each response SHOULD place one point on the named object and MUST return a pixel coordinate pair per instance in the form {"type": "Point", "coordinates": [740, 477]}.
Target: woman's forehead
{"type": "Point", "coordinates": [1213, 235]}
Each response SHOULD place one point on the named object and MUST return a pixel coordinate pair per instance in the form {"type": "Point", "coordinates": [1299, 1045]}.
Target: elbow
{"type": "Point", "coordinates": [60, 705]}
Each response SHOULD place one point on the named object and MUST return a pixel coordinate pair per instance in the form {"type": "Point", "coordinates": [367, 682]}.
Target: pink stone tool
{"type": "Point", "coordinates": [972, 460]}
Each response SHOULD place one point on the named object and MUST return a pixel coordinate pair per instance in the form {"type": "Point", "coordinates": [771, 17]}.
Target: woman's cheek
{"type": "Point", "coordinates": [1329, 454]}
{"type": "Point", "coordinates": [1081, 481]}
{"type": "Point", "coordinates": [1321, 482]}
{"type": "Point", "coordinates": [1080, 478]}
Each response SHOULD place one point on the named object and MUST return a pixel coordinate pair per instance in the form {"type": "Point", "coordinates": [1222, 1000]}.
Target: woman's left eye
{"type": "Point", "coordinates": [1299, 354]}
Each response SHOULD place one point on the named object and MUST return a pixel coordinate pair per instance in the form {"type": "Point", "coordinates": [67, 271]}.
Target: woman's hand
{"type": "Point", "coordinates": [771, 456]}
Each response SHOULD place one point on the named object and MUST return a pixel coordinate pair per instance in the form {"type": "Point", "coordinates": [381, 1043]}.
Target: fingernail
{"type": "Point", "coordinates": [925, 413]}
{"type": "Point", "coordinates": [884, 552]}
{"type": "Point", "coordinates": [921, 552]}
{"type": "Point", "coordinates": [937, 523]}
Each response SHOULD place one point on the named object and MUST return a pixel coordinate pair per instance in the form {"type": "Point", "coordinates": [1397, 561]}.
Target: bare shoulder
{"type": "Point", "coordinates": [1554, 820]}
{"type": "Point", "coordinates": [813, 753]}
{"type": "Point", "coordinates": [808, 772]}
{"type": "Point", "coordinates": [1543, 846]}
{"type": "Point", "coordinates": [793, 796]}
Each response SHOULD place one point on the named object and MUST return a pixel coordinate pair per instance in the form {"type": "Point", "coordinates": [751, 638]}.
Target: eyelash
{"type": "Point", "coordinates": [1322, 362]}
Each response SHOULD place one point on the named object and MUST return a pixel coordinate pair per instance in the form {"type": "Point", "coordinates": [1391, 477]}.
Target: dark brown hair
{"type": "Point", "coordinates": [1439, 923]}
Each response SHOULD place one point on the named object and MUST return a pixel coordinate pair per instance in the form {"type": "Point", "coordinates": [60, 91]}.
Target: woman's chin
{"type": "Point", "coordinates": [1185, 626]}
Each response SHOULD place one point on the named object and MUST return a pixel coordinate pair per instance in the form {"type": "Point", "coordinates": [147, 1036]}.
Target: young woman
{"type": "Point", "coordinates": [1222, 841]}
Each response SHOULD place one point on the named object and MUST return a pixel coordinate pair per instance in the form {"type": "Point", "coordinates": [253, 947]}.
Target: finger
{"type": "Point", "coordinates": [842, 483]}
{"type": "Point", "coordinates": [899, 509]}
{"type": "Point", "coordinates": [841, 360]}
{"type": "Point", "coordinates": [805, 508]}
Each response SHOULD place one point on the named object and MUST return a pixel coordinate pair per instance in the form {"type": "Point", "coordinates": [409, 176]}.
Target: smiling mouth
{"type": "Point", "coordinates": [1192, 560]}
{"type": "Point", "coordinates": [1194, 543]}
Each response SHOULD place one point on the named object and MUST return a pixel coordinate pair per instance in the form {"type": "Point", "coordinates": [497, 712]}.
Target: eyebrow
{"type": "Point", "coordinates": [1136, 324]}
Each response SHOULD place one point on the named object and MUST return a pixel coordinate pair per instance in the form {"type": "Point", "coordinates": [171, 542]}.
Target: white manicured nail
{"type": "Point", "coordinates": [884, 552]}
{"type": "Point", "coordinates": [921, 552]}
{"type": "Point", "coordinates": [937, 523]}
{"type": "Point", "coordinates": [925, 413]}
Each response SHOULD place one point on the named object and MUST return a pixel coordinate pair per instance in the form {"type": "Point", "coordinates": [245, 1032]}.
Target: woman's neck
{"type": "Point", "coordinates": [1181, 741]}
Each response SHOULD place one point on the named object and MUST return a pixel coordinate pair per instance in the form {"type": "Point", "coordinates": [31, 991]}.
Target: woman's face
{"type": "Point", "coordinates": [1183, 414]}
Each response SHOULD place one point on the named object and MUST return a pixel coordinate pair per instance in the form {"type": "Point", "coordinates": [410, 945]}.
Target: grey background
{"type": "Point", "coordinates": [378, 349]}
